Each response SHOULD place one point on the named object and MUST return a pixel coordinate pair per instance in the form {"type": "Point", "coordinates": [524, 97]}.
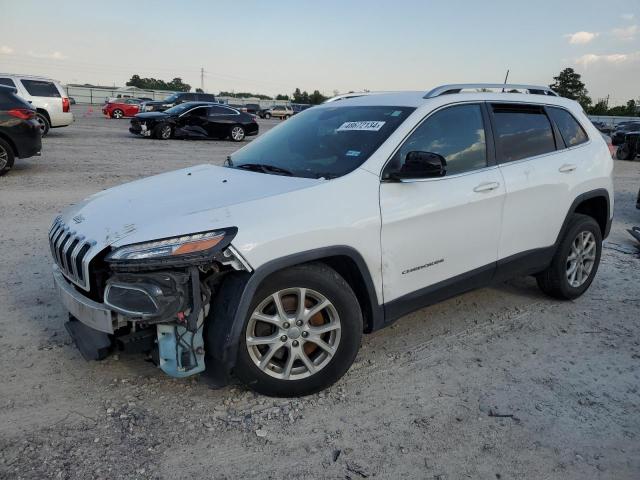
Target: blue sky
{"type": "Point", "coordinates": [274, 47]}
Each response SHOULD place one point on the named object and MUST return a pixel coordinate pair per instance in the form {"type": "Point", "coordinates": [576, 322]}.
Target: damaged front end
{"type": "Point", "coordinates": [152, 297]}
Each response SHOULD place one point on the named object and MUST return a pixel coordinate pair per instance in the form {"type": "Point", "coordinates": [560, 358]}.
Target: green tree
{"type": "Point", "coordinates": [199, 90]}
{"type": "Point", "coordinates": [282, 97]}
{"type": "Point", "coordinates": [316, 98]}
{"type": "Point", "coordinates": [157, 84]}
{"type": "Point", "coordinates": [569, 85]}
{"type": "Point", "coordinates": [619, 111]}
{"type": "Point", "coordinates": [600, 108]}
{"type": "Point", "coordinates": [632, 108]}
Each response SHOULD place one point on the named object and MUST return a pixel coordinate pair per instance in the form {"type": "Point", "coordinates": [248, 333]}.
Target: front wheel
{"type": "Point", "coordinates": [6, 157]}
{"type": "Point", "coordinates": [267, 115]}
{"type": "Point", "coordinates": [163, 132]}
{"type": "Point", "coordinates": [302, 333]}
{"type": "Point", "coordinates": [576, 260]}
{"type": "Point", "coordinates": [237, 133]}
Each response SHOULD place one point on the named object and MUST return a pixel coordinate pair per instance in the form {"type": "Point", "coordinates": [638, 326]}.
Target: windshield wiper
{"type": "Point", "coordinates": [264, 168]}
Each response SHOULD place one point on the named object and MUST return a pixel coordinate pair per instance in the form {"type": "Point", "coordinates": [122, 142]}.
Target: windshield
{"type": "Point", "coordinates": [171, 98]}
{"type": "Point", "coordinates": [322, 142]}
{"type": "Point", "coordinates": [178, 109]}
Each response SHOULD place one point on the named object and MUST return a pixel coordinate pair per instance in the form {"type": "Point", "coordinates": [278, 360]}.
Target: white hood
{"type": "Point", "coordinates": [184, 201]}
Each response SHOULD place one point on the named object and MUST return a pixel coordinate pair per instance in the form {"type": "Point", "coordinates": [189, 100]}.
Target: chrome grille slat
{"type": "Point", "coordinates": [69, 251]}
{"type": "Point", "coordinates": [58, 243]}
{"type": "Point", "coordinates": [74, 254]}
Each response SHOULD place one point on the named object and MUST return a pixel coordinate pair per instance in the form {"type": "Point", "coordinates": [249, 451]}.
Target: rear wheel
{"type": "Point", "coordinates": [576, 260]}
{"type": "Point", "coordinates": [163, 131]}
{"type": "Point", "coordinates": [117, 113]}
{"type": "Point", "coordinates": [237, 133]}
{"type": "Point", "coordinates": [302, 333]}
{"type": "Point", "coordinates": [267, 115]}
{"type": "Point", "coordinates": [44, 123]}
{"type": "Point", "coordinates": [6, 157]}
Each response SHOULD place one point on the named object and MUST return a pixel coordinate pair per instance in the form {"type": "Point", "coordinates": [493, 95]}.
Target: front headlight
{"type": "Point", "coordinates": [175, 248]}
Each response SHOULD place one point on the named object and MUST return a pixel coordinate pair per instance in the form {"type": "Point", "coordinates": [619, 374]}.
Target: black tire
{"type": "Point", "coordinates": [45, 125]}
{"type": "Point", "coordinates": [624, 152]}
{"type": "Point", "coordinates": [6, 157]}
{"type": "Point", "coordinates": [553, 281]}
{"type": "Point", "coordinates": [334, 288]}
{"type": "Point", "coordinates": [267, 115]}
{"type": "Point", "coordinates": [163, 131]}
{"type": "Point", "coordinates": [237, 133]}
{"type": "Point", "coordinates": [117, 113]}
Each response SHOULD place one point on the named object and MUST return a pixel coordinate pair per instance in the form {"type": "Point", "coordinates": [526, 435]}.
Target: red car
{"type": "Point", "coordinates": [122, 107]}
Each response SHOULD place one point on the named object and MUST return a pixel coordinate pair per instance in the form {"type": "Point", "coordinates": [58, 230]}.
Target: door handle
{"type": "Point", "coordinates": [486, 187]}
{"type": "Point", "coordinates": [567, 167]}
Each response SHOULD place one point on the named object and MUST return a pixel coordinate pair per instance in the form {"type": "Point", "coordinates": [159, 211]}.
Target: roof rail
{"type": "Point", "coordinates": [457, 88]}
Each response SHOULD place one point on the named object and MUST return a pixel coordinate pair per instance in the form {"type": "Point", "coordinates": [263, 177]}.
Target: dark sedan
{"type": "Point", "coordinates": [195, 120]}
{"type": "Point", "coordinates": [20, 134]}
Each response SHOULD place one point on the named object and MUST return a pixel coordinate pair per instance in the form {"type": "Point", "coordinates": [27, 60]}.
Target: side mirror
{"type": "Point", "coordinates": [421, 165]}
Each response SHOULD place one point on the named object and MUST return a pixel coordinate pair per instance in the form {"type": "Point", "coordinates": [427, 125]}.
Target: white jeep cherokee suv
{"type": "Point", "coordinates": [47, 97]}
{"type": "Point", "coordinates": [337, 222]}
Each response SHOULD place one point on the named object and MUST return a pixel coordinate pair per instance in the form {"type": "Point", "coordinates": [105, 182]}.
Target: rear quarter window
{"type": "Point", "coordinates": [571, 131]}
{"type": "Point", "coordinates": [41, 88]}
{"type": "Point", "coordinates": [522, 131]}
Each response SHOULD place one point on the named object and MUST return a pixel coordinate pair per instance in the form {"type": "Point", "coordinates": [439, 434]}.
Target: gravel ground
{"type": "Point", "coordinates": [499, 383]}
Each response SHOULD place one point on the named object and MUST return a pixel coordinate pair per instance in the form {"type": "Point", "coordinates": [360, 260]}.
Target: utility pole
{"type": "Point", "coordinates": [607, 101]}
{"type": "Point", "coordinates": [202, 78]}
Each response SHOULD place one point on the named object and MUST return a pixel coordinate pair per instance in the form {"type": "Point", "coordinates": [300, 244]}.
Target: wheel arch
{"type": "Point", "coordinates": [7, 139]}
{"type": "Point", "coordinates": [595, 204]}
{"type": "Point", "coordinates": [45, 114]}
{"type": "Point", "coordinates": [238, 289]}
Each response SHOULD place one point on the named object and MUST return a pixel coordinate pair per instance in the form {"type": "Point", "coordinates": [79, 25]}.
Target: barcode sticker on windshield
{"type": "Point", "coordinates": [363, 126]}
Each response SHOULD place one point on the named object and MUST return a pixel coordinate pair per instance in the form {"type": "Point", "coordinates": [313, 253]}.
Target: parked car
{"type": "Point", "coordinates": [125, 107]}
{"type": "Point", "coordinates": [279, 111]}
{"type": "Point", "coordinates": [617, 138]}
{"type": "Point", "coordinates": [603, 127]}
{"type": "Point", "coordinates": [299, 107]}
{"type": "Point", "coordinates": [338, 222]}
{"type": "Point", "coordinates": [630, 147]}
{"type": "Point", "coordinates": [176, 99]}
{"type": "Point", "coordinates": [53, 108]}
{"type": "Point", "coordinates": [252, 108]}
{"type": "Point", "coordinates": [20, 134]}
{"type": "Point", "coordinates": [72, 100]}
{"type": "Point", "coordinates": [237, 106]}
{"type": "Point", "coordinates": [195, 120]}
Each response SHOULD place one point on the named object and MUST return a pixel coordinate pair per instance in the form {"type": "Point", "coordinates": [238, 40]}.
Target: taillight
{"type": "Point", "coordinates": [65, 104]}
{"type": "Point", "coordinates": [22, 113]}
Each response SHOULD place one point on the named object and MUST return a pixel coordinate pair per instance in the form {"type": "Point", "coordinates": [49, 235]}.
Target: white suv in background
{"type": "Point", "coordinates": [334, 224]}
{"type": "Point", "coordinates": [47, 97]}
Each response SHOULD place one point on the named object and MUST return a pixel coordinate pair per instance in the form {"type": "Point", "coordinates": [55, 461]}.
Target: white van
{"type": "Point", "coordinates": [47, 96]}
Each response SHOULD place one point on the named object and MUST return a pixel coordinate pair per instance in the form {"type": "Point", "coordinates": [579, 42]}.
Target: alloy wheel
{"type": "Point", "coordinates": [581, 258]}
{"type": "Point", "coordinates": [237, 133]}
{"type": "Point", "coordinates": [118, 114]}
{"type": "Point", "coordinates": [4, 158]}
{"type": "Point", "coordinates": [42, 123]}
{"type": "Point", "coordinates": [293, 333]}
{"type": "Point", "coordinates": [165, 132]}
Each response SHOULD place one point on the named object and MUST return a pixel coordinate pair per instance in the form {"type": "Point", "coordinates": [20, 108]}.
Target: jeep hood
{"type": "Point", "coordinates": [184, 201]}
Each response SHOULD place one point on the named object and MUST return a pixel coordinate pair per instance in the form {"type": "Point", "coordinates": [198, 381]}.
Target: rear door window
{"type": "Point", "coordinates": [572, 133]}
{"type": "Point", "coordinates": [521, 131]}
{"type": "Point", "coordinates": [216, 110]}
{"type": "Point", "coordinates": [40, 88]}
{"type": "Point", "coordinates": [7, 81]}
